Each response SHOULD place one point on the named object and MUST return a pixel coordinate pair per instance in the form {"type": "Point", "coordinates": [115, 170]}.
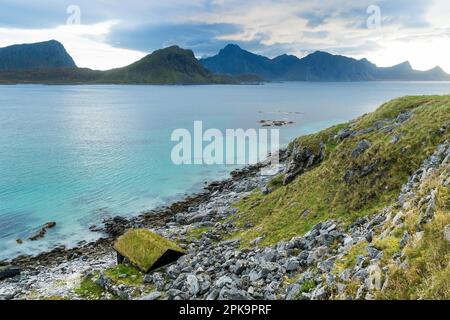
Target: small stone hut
{"type": "Point", "coordinates": [146, 250]}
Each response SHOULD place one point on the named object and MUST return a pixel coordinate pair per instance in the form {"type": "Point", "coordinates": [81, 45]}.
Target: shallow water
{"type": "Point", "coordinates": [76, 154]}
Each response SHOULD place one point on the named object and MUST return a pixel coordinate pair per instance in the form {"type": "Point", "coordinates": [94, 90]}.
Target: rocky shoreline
{"type": "Point", "coordinates": [215, 267]}
{"type": "Point", "coordinates": [366, 258]}
{"type": "Point", "coordinates": [44, 267]}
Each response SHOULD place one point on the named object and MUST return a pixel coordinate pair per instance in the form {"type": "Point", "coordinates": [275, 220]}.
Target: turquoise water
{"type": "Point", "coordinates": [77, 154]}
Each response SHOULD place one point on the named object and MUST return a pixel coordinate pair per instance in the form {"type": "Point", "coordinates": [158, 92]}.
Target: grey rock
{"type": "Point", "coordinates": [404, 240]}
{"type": "Point", "coordinates": [346, 275]}
{"type": "Point", "coordinates": [233, 293]}
{"type": "Point", "coordinates": [327, 265]}
{"type": "Point", "coordinates": [269, 255]}
{"type": "Point", "coordinates": [173, 271]}
{"type": "Point", "coordinates": [362, 146]}
{"type": "Point", "coordinates": [373, 252]}
{"type": "Point", "coordinates": [256, 241]}
{"type": "Point", "coordinates": [244, 282]}
{"type": "Point", "coordinates": [265, 190]}
{"type": "Point", "coordinates": [255, 275]}
{"type": "Point", "coordinates": [343, 134]}
{"type": "Point", "coordinates": [380, 124]}
{"type": "Point", "coordinates": [361, 275]}
{"type": "Point", "coordinates": [292, 291]}
{"type": "Point", "coordinates": [268, 267]}
{"type": "Point", "coordinates": [152, 296]}
{"type": "Point", "coordinates": [430, 210]}
{"type": "Point", "coordinates": [360, 259]}
{"type": "Point", "coordinates": [9, 272]}
{"type": "Point", "coordinates": [369, 236]}
{"type": "Point", "coordinates": [238, 267]}
{"type": "Point", "coordinates": [199, 217]}
{"type": "Point", "coordinates": [374, 277]}
{"type": "Point", "coordinates": [348, 176]}
{"type": "Point", "coordinates": [319, 293]}
{"type": "Point", "coordinates": [395, 139]}
{"type": "Point", "coordinates": [303, 257]}
{"type": "Point", "coordinates": [447, 233]}
{"type": "Point", "coordinates": [379, 219]}
{"type": "Point", "coordinates": [213, 294]}
{"type": "Point", "coordinates": [292, 264]}
{"type": "Point", "coordinates": [402, 117]}
{"type": "Point", "coordinates": [302, 159]}
{"type": "Point", "coordinates": [222, 281]}
{"type": "Point", "coordinates": [192, 285]}
{"type": "Point", "coordinates": [172, 293]}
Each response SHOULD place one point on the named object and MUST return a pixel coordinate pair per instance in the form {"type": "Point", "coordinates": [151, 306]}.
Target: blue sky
{"type": "Point", "coordinates": [114, 33]}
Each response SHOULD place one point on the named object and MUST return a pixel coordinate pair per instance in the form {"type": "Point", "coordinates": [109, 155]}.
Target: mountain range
{"type": "Point", "coordinates": [42, 55]}
{"type": "Point", "coordinates": [317, 66]}
{"type": "Point", "coordinates": [48, 62]}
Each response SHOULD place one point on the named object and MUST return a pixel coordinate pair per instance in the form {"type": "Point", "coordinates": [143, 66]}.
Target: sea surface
{"type": "Point", "coordinates": [78, 154]}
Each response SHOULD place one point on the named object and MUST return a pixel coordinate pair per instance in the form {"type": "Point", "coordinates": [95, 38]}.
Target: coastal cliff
{"type": "Point", "coordinates": [358, 211]}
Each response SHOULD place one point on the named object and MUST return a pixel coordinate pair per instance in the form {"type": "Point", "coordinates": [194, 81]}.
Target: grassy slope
{"type": "Point", "coordinates": [323, 190]}
{"type": "Point", "coordinates": [427, 275]}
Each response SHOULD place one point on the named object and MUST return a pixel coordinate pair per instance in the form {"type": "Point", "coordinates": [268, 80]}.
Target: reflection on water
{"type": "Point", "coordinates": [75, 154]}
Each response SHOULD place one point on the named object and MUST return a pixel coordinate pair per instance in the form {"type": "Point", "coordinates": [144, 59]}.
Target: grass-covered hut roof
{"type": "Point", "coordinates": [147, 250]}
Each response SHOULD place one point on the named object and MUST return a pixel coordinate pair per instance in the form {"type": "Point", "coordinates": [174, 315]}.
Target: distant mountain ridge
{"type": "Point", "coordinates": [171, 65]}
{"type": "Point", "coordinates": [41, 55]}
{"type": "Point", "coordinates": [318, 66]}
{"type": "Point", "coordinates": [48, 62]}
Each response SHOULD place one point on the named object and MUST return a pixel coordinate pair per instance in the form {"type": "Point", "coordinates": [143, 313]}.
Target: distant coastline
{"type": "Point", "coordinates": [49, 63]}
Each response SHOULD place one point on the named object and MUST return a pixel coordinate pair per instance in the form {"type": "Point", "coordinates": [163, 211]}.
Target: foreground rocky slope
{"type": "Point", "coordinates": [358, 211]}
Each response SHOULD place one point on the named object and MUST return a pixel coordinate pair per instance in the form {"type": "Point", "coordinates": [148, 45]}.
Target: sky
{"type": "Point", "coordinates": [104, 34]}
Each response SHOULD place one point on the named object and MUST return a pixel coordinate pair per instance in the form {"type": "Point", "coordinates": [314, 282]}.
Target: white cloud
{"type": "Point", "coordinates": [414, 30]}
{"type": "Point", "coordinates": [403, 34]}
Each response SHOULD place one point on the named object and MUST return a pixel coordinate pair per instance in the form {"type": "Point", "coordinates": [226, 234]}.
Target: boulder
{"type": "Point", "coordinates": [343, 134]}
{"type": "Point", "coordinates": [447, 233]}
{"type": "Point", "coordinates": [362, 146]}
{"type": "Point", "coordinates": [302, 159]}
{"type": "Point", "coordinates": [404, 239]}
{"type": "Point", "coordinates": [373, 252]}
{"type": "Point", "coordinates": [373, 277]}
{"type": "Point", "coordinates": [292, 264]}
{"type": "Point", "coordinates": [402, 117]}
{"type": "Point", "coordinates": [192, 285]}
{"type": "Point", "coordinates": [9, 272]}
{"type": "Point", "coordinates": [199, 217]}
{"type": "Point", "coordinates": [152, 296]}
{"type": "Point", "coordinates": [292, 291]}
{"type": "Point", "coordinates": [233, 293]}
{"type": "Point", "coordinates": [42, 231]}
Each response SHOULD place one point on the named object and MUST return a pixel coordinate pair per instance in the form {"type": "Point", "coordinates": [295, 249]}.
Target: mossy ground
{"type": "Point", "coordinates": [125, 274]}
{"type": "Point", "coordinates": [349, 259]}
{"type": "Point", "coordinates": [88, 289]}
{"type": "Point", "coordinates": [322, 193]}
{"type": "Point", "coordinates": [196, 233]}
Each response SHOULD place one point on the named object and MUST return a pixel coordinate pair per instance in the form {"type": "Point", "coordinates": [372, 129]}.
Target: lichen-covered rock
{"type": "Point", "coordinates": [301, 159]}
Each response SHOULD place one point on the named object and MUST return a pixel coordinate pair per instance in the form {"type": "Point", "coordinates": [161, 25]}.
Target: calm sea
{"type": "Point", "coordinates": [77, 154]}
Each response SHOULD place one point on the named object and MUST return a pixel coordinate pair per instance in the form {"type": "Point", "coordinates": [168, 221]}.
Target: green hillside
{"type": "Point", "coordinates": [171, 65]}
{"type": "Point", "coordinates": [347, 185]}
